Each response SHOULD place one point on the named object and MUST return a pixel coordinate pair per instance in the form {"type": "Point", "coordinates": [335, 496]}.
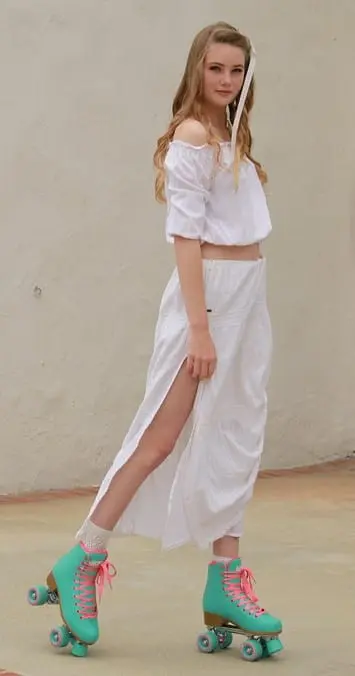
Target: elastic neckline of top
{"type": "Point", "coordinates": [191, 145]}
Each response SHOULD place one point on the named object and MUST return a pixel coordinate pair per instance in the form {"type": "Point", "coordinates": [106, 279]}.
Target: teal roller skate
{"type": "Point", "coordinates": [74, 583]}
{"type": "Point", "coordinates": [230, 607]}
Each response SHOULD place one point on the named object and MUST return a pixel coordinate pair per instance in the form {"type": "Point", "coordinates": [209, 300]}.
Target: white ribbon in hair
{"type": "Point", "coordinates": [242, 99]}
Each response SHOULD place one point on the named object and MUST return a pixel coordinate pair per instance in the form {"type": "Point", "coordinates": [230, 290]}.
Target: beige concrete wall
{"type": "Point", "coordinates": [86, 87]}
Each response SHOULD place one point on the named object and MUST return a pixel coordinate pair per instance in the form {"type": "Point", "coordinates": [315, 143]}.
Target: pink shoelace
{"type": "Point", "coordinates": [239, 586]}
{"type": "Point", "coordinates": [89, 577]}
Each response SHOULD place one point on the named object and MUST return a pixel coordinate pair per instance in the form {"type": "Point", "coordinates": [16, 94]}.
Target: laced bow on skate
{"type": "Point", "coordinates": [106, 573]}
{"type": "Point", "coordinates": [91, 576]}
{"type": "Point", "coordinates": [239, 586]}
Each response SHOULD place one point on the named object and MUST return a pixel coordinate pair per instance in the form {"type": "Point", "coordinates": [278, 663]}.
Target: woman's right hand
{"type": "Point", "coordinates": [201, 354]}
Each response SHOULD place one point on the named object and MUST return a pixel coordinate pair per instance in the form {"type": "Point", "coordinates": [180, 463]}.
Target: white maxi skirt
{"type": "Point", "coordinates": [199, 493]}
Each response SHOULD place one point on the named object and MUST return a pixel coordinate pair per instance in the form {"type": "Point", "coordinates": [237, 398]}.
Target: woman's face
{"type": "Point", "coordinates": [224, 69]}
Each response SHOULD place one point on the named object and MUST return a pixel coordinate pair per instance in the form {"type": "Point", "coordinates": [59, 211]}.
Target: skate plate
{"type": "Point", "coordinates": [255, 648]}
{"type": "Point", "coordinates": [61, 636]}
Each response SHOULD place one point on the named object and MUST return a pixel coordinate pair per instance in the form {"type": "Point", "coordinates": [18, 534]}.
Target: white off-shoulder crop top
{"type": "Point", "coordinates": [203, 201]}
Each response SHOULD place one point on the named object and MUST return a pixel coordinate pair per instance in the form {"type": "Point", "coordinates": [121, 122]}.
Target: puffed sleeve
{"type": "Point", "coordinates": [187, 187]}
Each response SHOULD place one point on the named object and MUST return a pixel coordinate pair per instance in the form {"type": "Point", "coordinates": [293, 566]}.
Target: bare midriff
{"type": "Point", "coordinates": [249, 252]}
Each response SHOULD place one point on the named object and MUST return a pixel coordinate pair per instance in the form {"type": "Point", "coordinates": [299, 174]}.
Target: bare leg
{"type": "Point", "coordinates": [155, 446]}
{"type": "Point", "coordinates": [75, 574]}
{"type": "Point", "coordinates": [226, 547]}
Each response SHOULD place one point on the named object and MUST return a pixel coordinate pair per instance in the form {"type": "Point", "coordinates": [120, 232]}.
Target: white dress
{"type": "Point", "coordinates": [199, 493]}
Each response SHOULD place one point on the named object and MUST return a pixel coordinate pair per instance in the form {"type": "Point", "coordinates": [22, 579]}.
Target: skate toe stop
{"type": "Point", "coordinates": [79, 650]}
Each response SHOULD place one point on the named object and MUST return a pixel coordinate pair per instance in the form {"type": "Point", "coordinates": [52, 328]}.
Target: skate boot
{"type": "Point", "coordinates": [76, 580]}
{"type": "Point", "coordinates": [230, 607]}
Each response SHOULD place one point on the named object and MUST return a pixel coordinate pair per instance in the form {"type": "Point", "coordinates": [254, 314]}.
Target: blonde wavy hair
{"type": "Point", "coordinates": [188, 102]}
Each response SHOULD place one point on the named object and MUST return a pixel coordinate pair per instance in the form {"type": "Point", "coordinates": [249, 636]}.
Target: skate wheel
{"type": "Point", "coordinates": [252, 650]}
{"type": "Point", "coordinates": [79, 650]}
{"type": "Point", "coordinates": [59, 637]}
{"type": "Point", "coordinates": [208, 642]}
{"type": "Point", "coordinates": [37, 596]}
{"type": "Point", "coordinates": [271, 646]}
{"type": "Point", "coordinates": [225, 639]}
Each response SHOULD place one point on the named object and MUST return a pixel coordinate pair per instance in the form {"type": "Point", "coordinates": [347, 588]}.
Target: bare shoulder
{"type": "Point", "coordinates": [191, 131]}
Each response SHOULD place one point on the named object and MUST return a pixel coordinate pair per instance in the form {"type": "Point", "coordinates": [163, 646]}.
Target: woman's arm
{"type": "Point", "coordinates": [189, 265]}
{"type": "Point", "coordinates": [201, 353]}
{"type": "Point", "coordinates": [201, 359]}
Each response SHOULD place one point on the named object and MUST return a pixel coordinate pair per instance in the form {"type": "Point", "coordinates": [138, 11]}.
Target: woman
{"type": "Point", "coordinates": [188, 464]}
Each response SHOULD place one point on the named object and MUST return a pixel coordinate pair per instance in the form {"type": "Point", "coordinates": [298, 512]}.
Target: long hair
{"type": "Point", "coordinates": [188, 101]}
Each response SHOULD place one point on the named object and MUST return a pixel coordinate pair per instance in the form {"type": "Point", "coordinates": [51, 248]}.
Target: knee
{"type": "Point", "coordinates": [158, 451]}
{"type": "Point", "coordinates": [162, 451]}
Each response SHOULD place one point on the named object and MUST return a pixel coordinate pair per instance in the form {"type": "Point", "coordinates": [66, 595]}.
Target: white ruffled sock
{"type": "Point", "coordinates": [93, 537]}
{"type": "Point", "coordinates": [222, 559]}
